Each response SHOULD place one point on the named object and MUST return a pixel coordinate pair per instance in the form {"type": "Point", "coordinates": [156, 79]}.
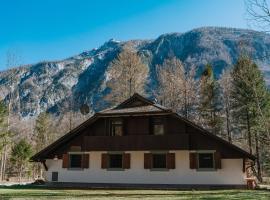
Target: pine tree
{"type": "Point", "coordinates": [127, 75]}
{"type": "Point", "coordinates": [43, 133]}
{"type": "Point", "coordinates": [20, 155]}
{"type": "Point", "coordinates": [251, 105]}
{"type": "Point", "coordinates": [209, 101]}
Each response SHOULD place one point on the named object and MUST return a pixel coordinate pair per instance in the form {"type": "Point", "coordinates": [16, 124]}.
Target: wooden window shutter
{"type": "Point", "coordinates": [170, 158]}
{"type": "Point", "coordinates": [217, 159]}
{"type": "Point", "coordinates": [85, 161]}
{"type": "Point", "coordinates": [65, 162]}
{"type": "Point", "coordinates": [193, 160]}
{"type": "Point", "coordinates": [126, 160]}
{"type": "Point", "coordinates": [147, 161]}
{"type": "Point", "coordinates": [244, 165]}
{"type": "Point", "coordinates": [104, 160]}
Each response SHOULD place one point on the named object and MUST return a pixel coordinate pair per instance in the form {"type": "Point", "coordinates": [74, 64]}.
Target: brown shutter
{"type": "Point", "coordinates": [244, 165]}
{"type": "Point", "coordinates": [65, 161]}
{"type": "Point", "coordinates": [147, 161]}
{"type": "Point", "coordinates": [217, 160]}
{"type": "Point", "coordinates": [170, 160]}
{"type": "Point", "coordinates": [85, 161]}
{"type": "Point", "coordinates": [126, 160]}
{"type": "Point", "coordinates": [104, 160]}
{"type": "Point", "coordinates": [193, 160]}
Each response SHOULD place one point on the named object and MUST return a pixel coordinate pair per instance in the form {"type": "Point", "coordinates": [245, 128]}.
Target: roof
{"type": "Point", "coordinates": [134, 105]}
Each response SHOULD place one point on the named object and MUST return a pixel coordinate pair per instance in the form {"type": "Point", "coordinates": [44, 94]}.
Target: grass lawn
{"type": "Point", "coordinates": [38, 193]}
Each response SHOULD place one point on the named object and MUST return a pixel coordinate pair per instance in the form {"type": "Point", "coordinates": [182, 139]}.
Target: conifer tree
{"type": "Point", "coordinates": [20, 155]}
{"type": "Point", "coordinates": [209, 101]}
{"type": "Point", "coordinates": [251, 105]}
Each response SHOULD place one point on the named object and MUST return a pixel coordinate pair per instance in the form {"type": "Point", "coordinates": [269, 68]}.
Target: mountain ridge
{"type": "Point", "coordinates": [51, 85]}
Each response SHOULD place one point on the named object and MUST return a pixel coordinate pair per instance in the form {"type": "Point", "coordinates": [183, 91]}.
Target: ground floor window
{"type": "Point", "coordinates": [75, 160]}
{"type": "Point", "coordinates": [115, 161]}
{"type": "Point", "coordinates": [206, 160]}
{"type": "Point", "coordinates": [159, 161]}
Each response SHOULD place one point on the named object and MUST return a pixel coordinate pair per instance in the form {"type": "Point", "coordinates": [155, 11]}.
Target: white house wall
{"type": "Point", "coordinates": [231, 172]}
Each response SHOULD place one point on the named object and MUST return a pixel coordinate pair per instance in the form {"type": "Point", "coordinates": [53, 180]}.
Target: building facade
{"type": "Point", "coordinates": [140, 142]}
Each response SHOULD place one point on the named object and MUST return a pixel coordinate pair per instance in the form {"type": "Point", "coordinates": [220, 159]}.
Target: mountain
{"type": "Point", "coordinates": [82, 78]}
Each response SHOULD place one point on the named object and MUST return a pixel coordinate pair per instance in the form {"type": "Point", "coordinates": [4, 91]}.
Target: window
{"type": "Point", "coordinates": [75, 161]}
{"type": "Point", "coordinates": [54, 176]}
{"type": "Point", "coordinates": [115, 161]}
{"type": "Point", "coordinates": [116, 128]}
{"type": "Point", "coordinates": [159, 161]}
{"type": "Point", "coordinates": [206, 160]}
{"type": "Point", "coordinates": [158, 127]}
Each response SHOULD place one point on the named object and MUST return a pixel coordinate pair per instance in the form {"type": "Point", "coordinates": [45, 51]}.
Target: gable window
{"type": "Point", "coordinates": [158, 126]}
{"type": "Point", "coordinates": [116, 127]}
{"type": "Point", "coordinates": [115, 161]}
{"type": "Point", "coordinates": [206, 161]}
{"type": "Point", "coordinates": [159, 161]}
{"type": "Point", "coordinates": [75, 160]}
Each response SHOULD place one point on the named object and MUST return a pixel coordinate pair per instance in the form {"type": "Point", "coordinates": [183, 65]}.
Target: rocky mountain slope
{"type": "Point", "coordinates": [82, 78]}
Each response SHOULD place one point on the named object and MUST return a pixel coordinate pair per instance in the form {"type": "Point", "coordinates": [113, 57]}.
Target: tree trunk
{"type": "Point", "coordinates": [228, 125]}
{"type": "Point", "coordinates": [258, 161]}
{"type": "Point", "coordinates": [249, 133]}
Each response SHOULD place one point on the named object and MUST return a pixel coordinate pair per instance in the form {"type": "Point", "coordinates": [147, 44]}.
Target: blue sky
{"type": "Point", "coordinates": [38, 30]}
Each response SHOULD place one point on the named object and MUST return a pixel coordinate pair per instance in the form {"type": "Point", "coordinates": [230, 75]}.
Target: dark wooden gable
{"type": "Point", "coordinates": [179, 134]}
{"type": "Point", "coordinates": [134, 101]}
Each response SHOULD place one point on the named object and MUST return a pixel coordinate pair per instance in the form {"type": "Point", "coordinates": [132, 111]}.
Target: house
{"type": "Point", "coordinates": [141, 142]}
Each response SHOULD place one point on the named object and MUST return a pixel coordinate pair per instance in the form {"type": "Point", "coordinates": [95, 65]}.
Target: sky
{"type": "Point", "coordinates": [38, 30]}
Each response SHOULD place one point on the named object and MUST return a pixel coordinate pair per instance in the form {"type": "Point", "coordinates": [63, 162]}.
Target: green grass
{"type": "Point", "coordinates": [40, 193]}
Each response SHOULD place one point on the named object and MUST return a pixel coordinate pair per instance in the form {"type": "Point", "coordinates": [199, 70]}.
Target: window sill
{"type": "Point", "coordinates": [75, 169]}
{"type": "Point", "coordinates": [206, 170]}
{"type": "Point", "coordinates": [115, 169]}
{"type": "Point", "coordinates": [159, 169]}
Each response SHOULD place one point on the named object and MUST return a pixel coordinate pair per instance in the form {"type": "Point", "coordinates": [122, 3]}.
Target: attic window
{"type": "Point", "coordinates": [116, 127]}
{"type": "Point", "coordinates": [158, 126]}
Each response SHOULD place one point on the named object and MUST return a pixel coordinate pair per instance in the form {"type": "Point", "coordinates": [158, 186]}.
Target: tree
{"type": "Point", "coordinates": [20, 155]}
{"type": "Point", "coordinates": [127, 75]}
{"type": "Point", "coordinates": [251, 105]}
{"type": "Point", "coordinates": [171, 77]}
{"type": "Point", "coordinates": [177, 87]}
{"type": "Point", "coordinates": [209, 101]}
{"type": "Point", "coordinates": [3, 136]}
{"type": "Point", "coordinates": [258, 13]}
{"type": "Point", "coordinates": [43, 137]}
{"type": "Point", "coordinates": [43, 132]}
{"type": "Point", "coordinates": [225, 83]}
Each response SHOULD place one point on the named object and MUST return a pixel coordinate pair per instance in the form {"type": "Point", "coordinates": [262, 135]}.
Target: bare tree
{"type": "Point", "coordinates": [171, 77]}
{"type": "Point", "coordinates": [258, 14]}
{"type": "Point", "coordinates": [225, 83]}
{"type": "Point", "coordinates": [12, 60]}
{"type": "Point", "coordinates": [177, 87]}
{"type": "Point", "coordinates": [127, 74]}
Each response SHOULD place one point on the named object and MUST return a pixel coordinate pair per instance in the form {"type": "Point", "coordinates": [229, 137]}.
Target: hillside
{"type": "Point", "coordinates": [82, 78]}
